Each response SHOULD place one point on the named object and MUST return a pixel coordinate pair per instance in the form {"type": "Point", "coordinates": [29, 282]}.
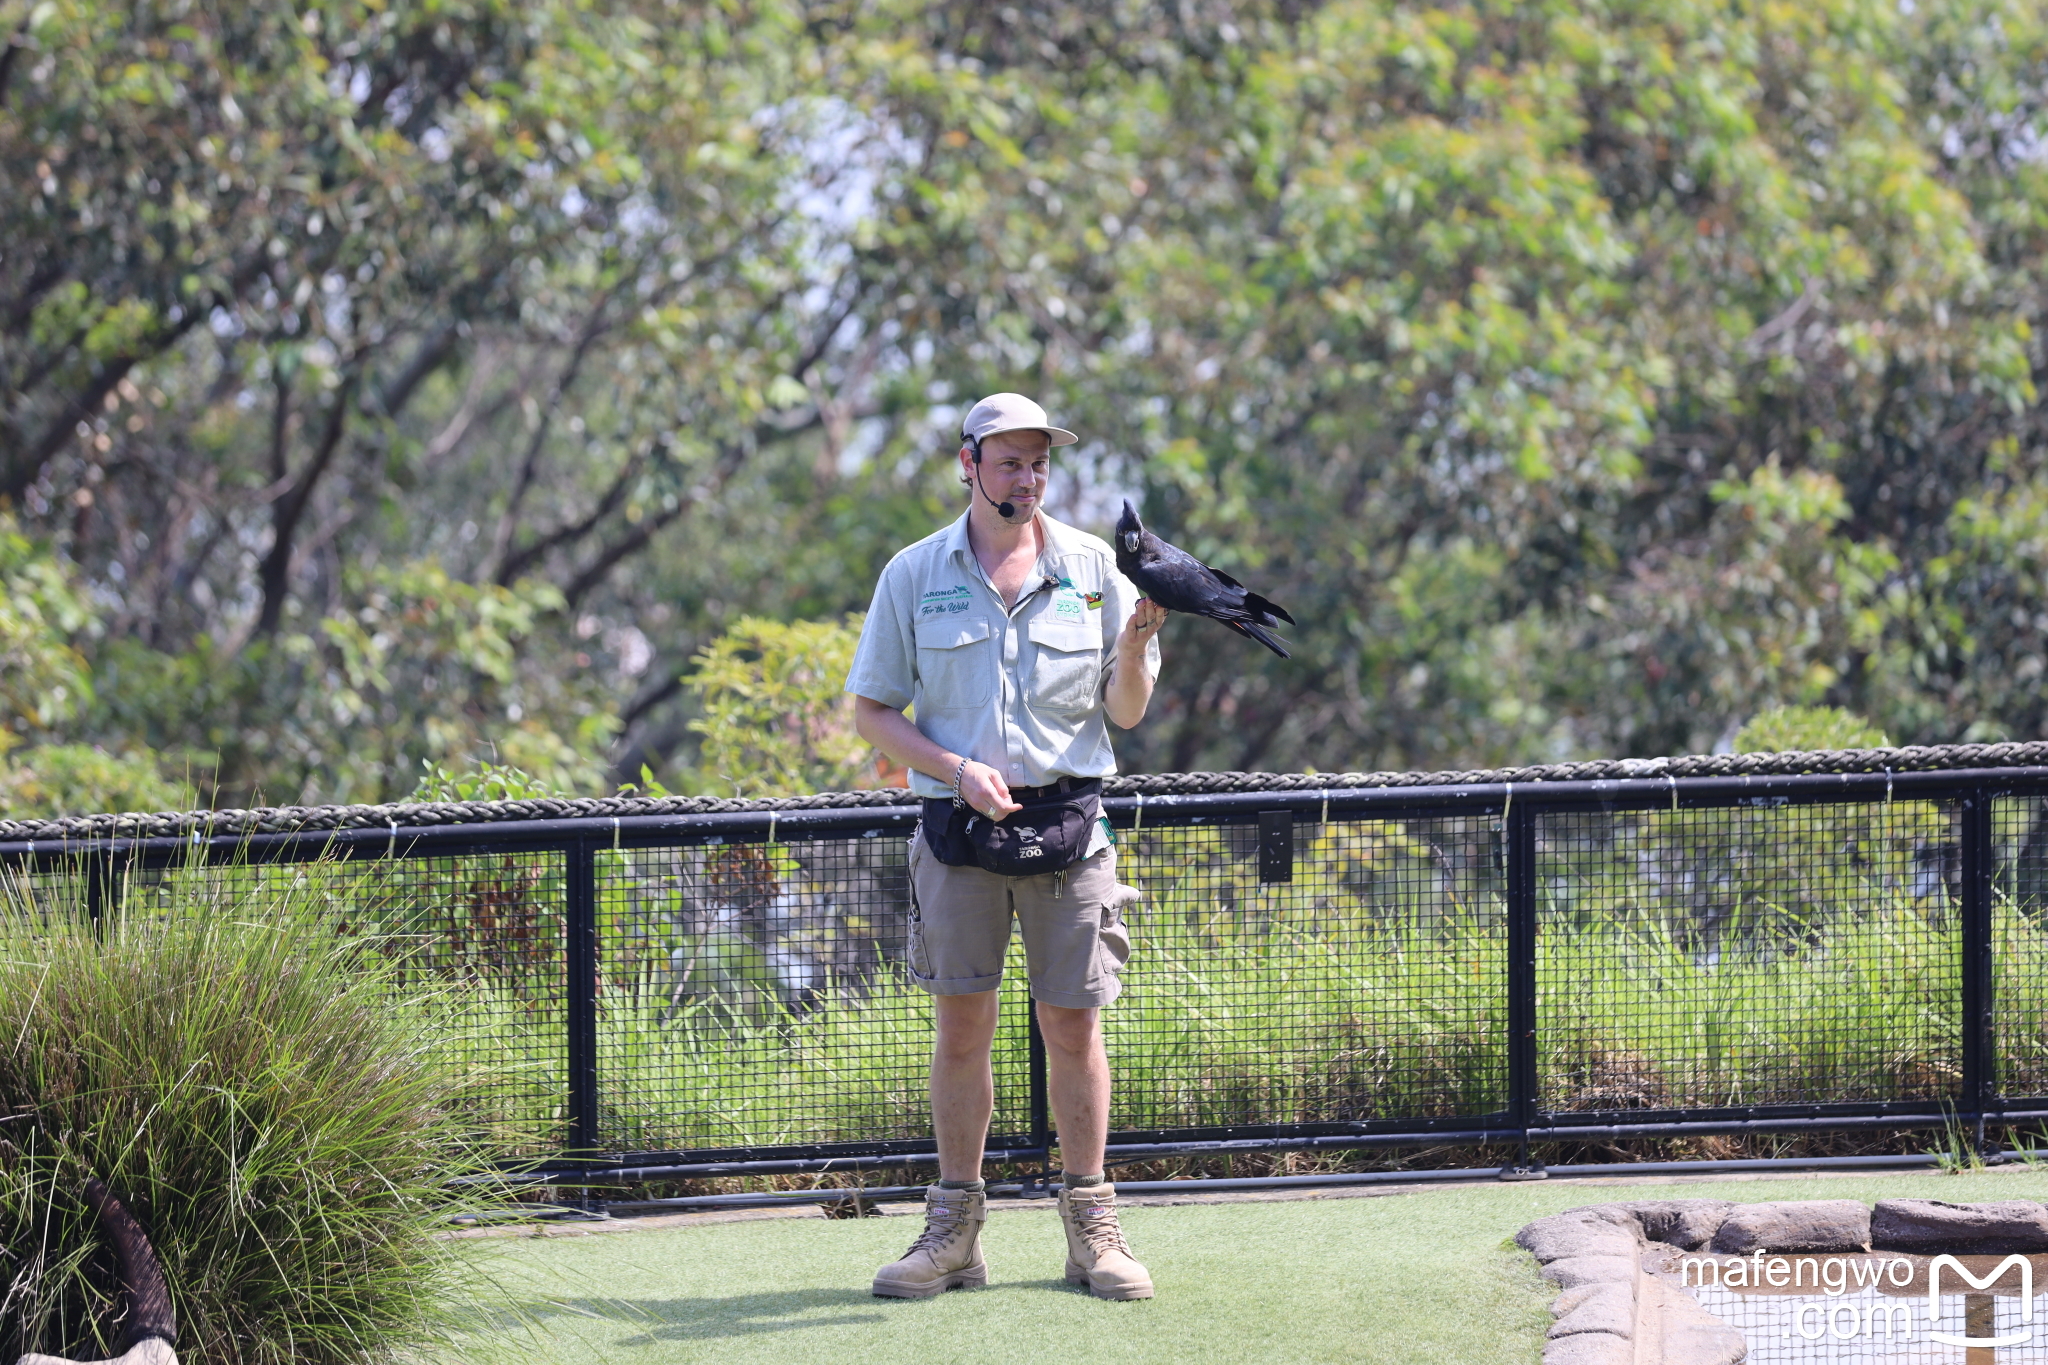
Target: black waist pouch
{"type": "Point", "coordinates": [1050, 834]}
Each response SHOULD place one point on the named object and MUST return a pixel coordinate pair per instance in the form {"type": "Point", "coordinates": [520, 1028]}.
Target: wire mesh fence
{"type": "Point", "coordinates": [479, 940]}
{"type": "Point", "coordinates": [1369, 986]}
{"type": "Point", "coordinates": [1744, 956]}
{"type": "Point", "coordinates": [1872, 1307]}
{"type": "Point", "coordinates": [1352, 967]}
{"type": "Point", "coordinates": [754, 995]}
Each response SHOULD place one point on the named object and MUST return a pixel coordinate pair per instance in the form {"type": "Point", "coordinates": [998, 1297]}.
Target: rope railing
{"type": "Point", "coordinates": [296, 819]}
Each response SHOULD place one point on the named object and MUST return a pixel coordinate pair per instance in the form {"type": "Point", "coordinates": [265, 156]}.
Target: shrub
{"type": "Point", "coordinates": [1794, 729]}
{"type": "Point", "coordinates": [70, 779]}
{"type": "Point", "coordinates": [775, 720]}
{"type": "Point", "coordinates": [479, 781]}
{"type": "Point", "coordinates": [246, 1080]}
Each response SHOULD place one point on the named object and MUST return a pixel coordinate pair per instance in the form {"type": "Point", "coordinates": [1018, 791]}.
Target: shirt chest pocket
{"type": "Point", "coordinates": [1066, 667]}
{"type": "Point", "coordinates": [953, 666]}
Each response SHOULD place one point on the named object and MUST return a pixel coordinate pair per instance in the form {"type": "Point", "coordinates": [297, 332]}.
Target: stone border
{"type": "Point", "coordinates": [1611, 1311]}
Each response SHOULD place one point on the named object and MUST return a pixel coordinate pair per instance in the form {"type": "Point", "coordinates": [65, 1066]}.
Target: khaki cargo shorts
{"type": "Point", "coordinates": [1075, 941]}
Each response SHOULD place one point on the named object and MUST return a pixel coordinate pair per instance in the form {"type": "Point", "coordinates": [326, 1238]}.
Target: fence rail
{"type": "Point", "coordinates": [698, 993]}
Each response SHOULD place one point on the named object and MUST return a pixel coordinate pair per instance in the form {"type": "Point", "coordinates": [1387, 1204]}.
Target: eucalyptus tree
{"type": "Point", "coordinates": [420, 375]}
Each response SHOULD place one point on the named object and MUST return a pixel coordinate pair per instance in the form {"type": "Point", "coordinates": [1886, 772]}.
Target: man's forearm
{"type": "Point", "coordinates": [1129, 691]}
{"type": "Point", "coordinates": [895, 735]}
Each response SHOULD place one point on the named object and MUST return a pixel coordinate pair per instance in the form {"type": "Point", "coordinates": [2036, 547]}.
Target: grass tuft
{"type": "Point", "coordinates": [281, 1122]}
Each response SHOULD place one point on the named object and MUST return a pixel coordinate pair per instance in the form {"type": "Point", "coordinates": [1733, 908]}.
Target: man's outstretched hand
{"type": "Point", "coordinates": [1139, 630]}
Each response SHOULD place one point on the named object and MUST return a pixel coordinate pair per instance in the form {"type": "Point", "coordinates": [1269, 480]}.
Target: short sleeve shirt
{"type": "Point", "coordinates": [1020, 690]}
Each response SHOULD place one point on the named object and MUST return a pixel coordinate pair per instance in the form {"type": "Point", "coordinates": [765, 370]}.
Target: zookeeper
{"type": "Point", "coordinates": [1017, 640]}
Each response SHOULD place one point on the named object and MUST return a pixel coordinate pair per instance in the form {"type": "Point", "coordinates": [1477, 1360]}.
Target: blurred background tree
{"type": "Point", "coordinates": [775, 717]}
{"type": "Point", "coordinates": [437, 379]}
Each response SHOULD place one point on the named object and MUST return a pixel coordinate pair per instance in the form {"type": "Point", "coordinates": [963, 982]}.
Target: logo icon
{"type": "Point", "coordinates": [1982, 1343]}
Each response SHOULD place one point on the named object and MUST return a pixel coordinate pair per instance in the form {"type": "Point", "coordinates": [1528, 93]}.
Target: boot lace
{"type": "Point", "coordinates": [941, 1223]}
{"type": "Point", "coordinates": [1099, 1228]}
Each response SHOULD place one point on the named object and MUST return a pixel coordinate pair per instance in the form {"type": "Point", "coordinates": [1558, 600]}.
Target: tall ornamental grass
{"type": "Point", "coordinates": [280, 1120]}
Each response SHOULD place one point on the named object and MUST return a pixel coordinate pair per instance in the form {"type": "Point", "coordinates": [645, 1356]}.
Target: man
{"type": "Point", "coordinates": [1016, 638]}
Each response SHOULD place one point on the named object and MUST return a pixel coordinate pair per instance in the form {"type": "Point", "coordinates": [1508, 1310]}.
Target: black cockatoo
{"type": "Point", "coordinates": [1178, 581]}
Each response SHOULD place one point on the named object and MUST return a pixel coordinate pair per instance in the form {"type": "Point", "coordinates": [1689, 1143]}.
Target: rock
{"type": "Point", "coordinates": [148, 1351]}
{"type": "Point", "coordinates": [1573, 1271]}
{"type": "Point", "coordinates": [1803, 1225]}
{"type": "Point", "coordinates": [1687, 1224]}
{"type": "Point", "coordinates": [1589, 1348]}
{"type": "Point", "coordinates": [1604, 1306]}
{"type": "Point", "coordinates": [1931, 1225]}
{"type": "Point", "coordinates": [1572, 1298]}
{"type": "Point", "coordinates": [1580, 1232]}
{"type": "Point", "coordinates": [1687, 1333]}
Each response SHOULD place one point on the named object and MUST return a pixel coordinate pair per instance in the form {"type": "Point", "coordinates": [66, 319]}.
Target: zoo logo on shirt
{"type": "Point", "coordinates": [945, 601]}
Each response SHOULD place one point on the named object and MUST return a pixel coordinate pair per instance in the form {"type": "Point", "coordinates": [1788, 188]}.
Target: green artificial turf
{"type": "Point", "coordinates": [1418, 1278]}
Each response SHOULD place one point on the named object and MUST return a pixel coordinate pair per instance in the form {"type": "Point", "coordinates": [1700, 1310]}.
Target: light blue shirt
{"type": "Point", "coordinates": [1020, 690]}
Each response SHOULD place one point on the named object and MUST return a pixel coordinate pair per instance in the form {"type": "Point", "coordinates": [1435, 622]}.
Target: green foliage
{"type": "Point", "coordinates": [480, 782]}
{"type": "Point", "coordinates": [430, 665]}
{"type": "Point", "coordinates": [1585, 378]}
{"type": "Point", "coordinates": [1785, 729]}
{"type": "Point", "coordinates": [774, 719]}
{"type": "Point", "coordinates": [245, 1080]}
{"type": "Point", "coordinates": [69, 779]}
{"type": "Point", "coordinates": [43, 678]}
{"type": "Point", "coordinates": [45, 682]}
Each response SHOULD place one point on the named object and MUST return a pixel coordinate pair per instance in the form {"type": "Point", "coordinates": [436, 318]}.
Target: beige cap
{"type": "Point", "coordinates": [1011, 412]}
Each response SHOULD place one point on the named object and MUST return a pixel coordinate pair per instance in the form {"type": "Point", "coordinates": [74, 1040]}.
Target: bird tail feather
{"type": "Point", "coordinates": [1264, 611]}
{"type": "Point", "coordinates": [1262, 635]}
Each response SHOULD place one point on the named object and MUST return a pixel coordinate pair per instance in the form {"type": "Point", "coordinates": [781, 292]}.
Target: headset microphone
{"type": "Point", "coordinates": [1005, 510]}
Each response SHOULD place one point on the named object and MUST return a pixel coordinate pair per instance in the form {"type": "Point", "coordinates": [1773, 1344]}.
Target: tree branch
{"type": "Point", "coordinates": [23, 472]}
{"type": "Point", "coordinates": [280, 433]}
{"type": "Point", "coordinates": [8, 55]}
{"type": "Point", "coordinates": [529, 466]}
{"type": "Point", "coordinates": [52, 362]}
{"type": "Point", "coordinates": [432, 354]}
{"type": "Point", "coordinates": [48, 275]}
{"type": "Point", "coordinates": [275, 572]}
{"type": "Point", "coordinates": [609, 558]}
{"type": "Point", "coordinates": [526, 556]}
{"type": "Point", "coordinates": [652, 748]}
{"type": "Point", "coordinates": [650, 697]}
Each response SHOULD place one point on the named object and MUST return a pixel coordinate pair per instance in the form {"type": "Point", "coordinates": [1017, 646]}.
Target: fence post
{"type": "Point", "coordinates": [1521, 983]}
{"type": "Point", "coordinates": [106, 885]}
{"type": "Point", "coordinates": [1041, 1120]}
{"type": "Point", "coordinates": [582, 1022]}
{"type": "Point", "coordinates": [97, 871]}
{"type": "Point", "coordinates": [1979, 868]}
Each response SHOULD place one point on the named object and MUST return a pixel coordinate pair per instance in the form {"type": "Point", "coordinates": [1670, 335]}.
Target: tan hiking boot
{"type": "Point", "coordinates": [946, 1255]}
{"type": "Point", "coordinates": [1097, 1254]}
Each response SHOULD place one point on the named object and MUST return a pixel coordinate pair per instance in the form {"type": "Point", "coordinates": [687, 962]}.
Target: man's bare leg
{"type": "Point", "coordinates": [1077, 1083]}
{"type": "Point", "coordinates": [1077, 1077]}
{"type": "Point", "coordinates": [947, 1254]}
{"type": "Point", "coordinates": [963, 1087]}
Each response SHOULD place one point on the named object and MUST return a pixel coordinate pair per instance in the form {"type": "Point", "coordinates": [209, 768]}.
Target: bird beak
{"type": "Point", "coordinates": [1131, 541]}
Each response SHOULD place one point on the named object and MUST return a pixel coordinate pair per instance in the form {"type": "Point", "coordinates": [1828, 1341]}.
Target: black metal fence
{"type": "Point", "coordinates": [1345, 968]}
